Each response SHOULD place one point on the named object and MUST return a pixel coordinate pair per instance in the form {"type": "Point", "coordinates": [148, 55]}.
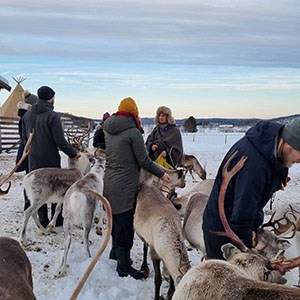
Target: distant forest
{"type": "Point", "coordinates": [199, 121]}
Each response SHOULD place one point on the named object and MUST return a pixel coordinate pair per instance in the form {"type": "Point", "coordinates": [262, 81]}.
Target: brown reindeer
{"type": "Point", "coordinates": [15, 271]}
{"type": "Point", "coordinates": [157, 223]}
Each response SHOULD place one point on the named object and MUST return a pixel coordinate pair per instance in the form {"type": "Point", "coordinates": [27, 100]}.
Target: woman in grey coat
{"type": "Point", "coordinates": [125, 156]}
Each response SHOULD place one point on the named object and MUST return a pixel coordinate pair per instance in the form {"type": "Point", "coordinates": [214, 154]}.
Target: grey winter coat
{"type": "Point", "coordinates": [125, 156]}
{"type": "Point", "coordinates": [48, 136]}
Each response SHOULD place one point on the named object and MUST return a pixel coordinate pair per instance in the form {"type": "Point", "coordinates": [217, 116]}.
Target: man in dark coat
{"type": "Point", "coordinates": [48, 138]}
{"type": "Point", "coordinates": [271, 148]}
{"type": "Point", "coordinates": [165, 139]}
{"type": "Point", "coordinates": [125, 156]}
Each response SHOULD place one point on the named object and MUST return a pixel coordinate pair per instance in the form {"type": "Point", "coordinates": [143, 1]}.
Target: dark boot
{"type": "Point", "coordinates": [113, 255]}
{"type": "Point", "coordinates": [124, 267]}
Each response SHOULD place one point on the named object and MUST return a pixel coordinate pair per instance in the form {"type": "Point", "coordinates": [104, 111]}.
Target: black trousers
{"type": "Point", "coordinates": [213, 244]}
{"type": "Point", "coordinates": [122, 230]}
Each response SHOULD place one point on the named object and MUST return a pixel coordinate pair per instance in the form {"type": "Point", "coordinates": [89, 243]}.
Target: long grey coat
{"type": "Point", "coordinates": [125, 156]}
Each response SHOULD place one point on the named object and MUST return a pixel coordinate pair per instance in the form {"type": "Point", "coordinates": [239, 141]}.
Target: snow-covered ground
{"type": "Point", "coordinates": [103, 283]}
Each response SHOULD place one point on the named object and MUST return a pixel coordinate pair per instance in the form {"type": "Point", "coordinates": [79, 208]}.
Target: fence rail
{"type": "Point", "coordinates": [9, 132]}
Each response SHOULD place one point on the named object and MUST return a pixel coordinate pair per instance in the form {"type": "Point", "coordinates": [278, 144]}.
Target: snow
{"type": "Point", "coordinates": [103, 283]}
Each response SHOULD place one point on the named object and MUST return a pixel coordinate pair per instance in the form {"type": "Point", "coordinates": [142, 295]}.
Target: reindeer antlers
{"type": "Point", "coordinates": [77, 136]}
{"type": "Point", "coordinates": [226, 177]}
{"type": "Point", "coordinates": [283, 228]}
{"type": "Point", "coordinates": [25, 153]}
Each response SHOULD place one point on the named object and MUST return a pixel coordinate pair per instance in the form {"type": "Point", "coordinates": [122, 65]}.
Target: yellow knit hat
{"type": "Point", "coordinates": [129, 105]}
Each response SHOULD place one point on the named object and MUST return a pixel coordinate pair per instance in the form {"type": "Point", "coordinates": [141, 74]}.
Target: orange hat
{"type": "Point", "coordinates": [129, 105]}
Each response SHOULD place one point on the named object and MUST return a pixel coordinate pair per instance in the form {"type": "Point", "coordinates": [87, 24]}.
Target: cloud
{"type": "Point", "coordinates": [251, 33]}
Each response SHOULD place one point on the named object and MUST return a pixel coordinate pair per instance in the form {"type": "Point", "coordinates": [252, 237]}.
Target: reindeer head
{"type": "Point", "coordinates": [252, 263]}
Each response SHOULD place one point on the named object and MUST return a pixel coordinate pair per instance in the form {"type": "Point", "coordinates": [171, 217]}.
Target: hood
{"type": "Point", "coordinates": [166, 111]}
{"type": "Point", "coordinates": [263, 136]}
{"type": "Point", "coordinates": [117, 124]}
{"type": "Point", "coordinates": [41, 107]}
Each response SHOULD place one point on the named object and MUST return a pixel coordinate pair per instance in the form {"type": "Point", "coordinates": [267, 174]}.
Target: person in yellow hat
{"type": "Point", "coordinates": [125, 156]}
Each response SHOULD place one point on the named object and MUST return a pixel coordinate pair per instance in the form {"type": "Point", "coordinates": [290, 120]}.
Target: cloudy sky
{"type": "Point", "coordinates": [201, 58]}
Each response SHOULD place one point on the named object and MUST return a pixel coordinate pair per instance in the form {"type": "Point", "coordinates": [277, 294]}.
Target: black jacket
{"type": "Point", "coordinates": [252, 187]}
{"type": "Point", "coordinates": [99, 138]}
{"type": "Point", "coordinates": [48, 136]}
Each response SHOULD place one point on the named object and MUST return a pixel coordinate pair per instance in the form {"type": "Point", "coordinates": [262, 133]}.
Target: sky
{"type": "Point", "coordinates": [204, 59]}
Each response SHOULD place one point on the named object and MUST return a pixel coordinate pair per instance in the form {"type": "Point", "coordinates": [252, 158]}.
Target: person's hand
{"type": "Point", "coordinates": [154, 147]}
{"type": "Point", "coordinates": [77, 155]}
{"type": "Point", "coordinates": [163, 153]}
{"type": "Point", "coordinates": [166, 177]}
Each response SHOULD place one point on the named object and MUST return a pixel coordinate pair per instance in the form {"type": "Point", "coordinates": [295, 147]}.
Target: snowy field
{"type": "Point", "coordinates": [46, 251]}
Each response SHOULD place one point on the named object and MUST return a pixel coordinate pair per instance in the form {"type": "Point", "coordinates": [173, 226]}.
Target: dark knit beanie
{"type": "Point", "coordinates": [45, 93]}
{"type": "Point", "coordinates": [291, 134]}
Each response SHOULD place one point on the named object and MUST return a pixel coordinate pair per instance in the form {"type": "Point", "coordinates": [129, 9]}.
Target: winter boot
{"type": "Point", "coordinates": [124, 267]}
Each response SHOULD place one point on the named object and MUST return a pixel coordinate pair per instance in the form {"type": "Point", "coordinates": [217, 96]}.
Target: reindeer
{"type": "Point", "coordinates": [15, 271]}
{"type": "Point", "coordinates": [79, 207]}
{"type": "Point", "coordinates": [200, 282]}
{"type": "Point", "coordinates": [49, 185]}
{"type": "Point", "coordinates": [191, 163]}
{"type": "Point", "coordinates": [158, 224]}
{"type": "Point", "coordinates": [100, 250]}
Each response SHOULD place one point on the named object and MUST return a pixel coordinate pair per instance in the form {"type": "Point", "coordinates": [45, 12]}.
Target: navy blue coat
{"type": "Point", "coordinates": [252, 187]}
{"type": "Point", "coordinates": [48, 136]}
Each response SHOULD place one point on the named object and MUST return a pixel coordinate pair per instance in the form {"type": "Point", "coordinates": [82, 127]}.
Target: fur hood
{"type": "Point", "coordinates": [23, 105]}
{"type": "Point", "coordinates": [164, 110]}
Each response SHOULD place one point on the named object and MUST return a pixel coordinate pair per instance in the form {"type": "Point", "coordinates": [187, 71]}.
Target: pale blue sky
{"type": "Point", "coordinates": [201, 58]}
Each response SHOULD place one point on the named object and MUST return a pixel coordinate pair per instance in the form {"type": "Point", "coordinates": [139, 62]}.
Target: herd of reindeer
{"type": "Point", "coordinates": [162, 222]}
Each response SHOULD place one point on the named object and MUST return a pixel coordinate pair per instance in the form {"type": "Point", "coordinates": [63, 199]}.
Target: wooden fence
{"type": "Point", "coordinates": [9, 132]}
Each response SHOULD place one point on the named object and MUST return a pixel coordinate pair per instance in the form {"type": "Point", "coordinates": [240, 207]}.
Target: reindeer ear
{"type": "Point", "coordinates": [229, 250]}
{"type": "Point", "coordinates": [283, 244]}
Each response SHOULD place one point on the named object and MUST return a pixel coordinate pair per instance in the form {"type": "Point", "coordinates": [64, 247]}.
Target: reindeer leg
{"type": "Point", "coordinates": [63, 267]}
{"type": "Point", "coordinates": [86, 233]}
{"type": "Point", "coordinates": [144, 267]}
{"type": "Point", "coordinates": [52, 224]}
{"type": "Point", "coordinates": [40, 227]}
{"type": "Point", "coordinates": [30, 211]}
{"type": "Point", "coordinates": [157, 278]}
{"type": "Point", "coordinates": [171, 289]}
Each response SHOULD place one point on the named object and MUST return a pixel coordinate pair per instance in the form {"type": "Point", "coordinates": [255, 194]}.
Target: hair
{"type": "Point", "coordinates": [280, 146]}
